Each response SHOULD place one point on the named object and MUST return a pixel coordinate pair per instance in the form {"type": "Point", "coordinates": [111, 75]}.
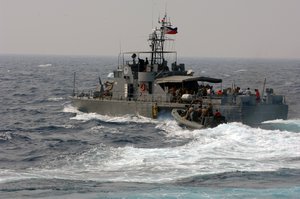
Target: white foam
{"type": "Point", "coordinates": [289, 125]}
{"type": "Point", "coordinates": [11, 175]}
{"type": "Point", "coordinates": [70, 109]}
{"type": "Point", "coordinates": [110, 75]}
{"type": "Point", "coordinates": [121, 119]}
{"type": "Point", "coordinates": [173, 130]}
{"type": "Point", "coordinates": [241, 70]}
{"type": "Point", "coordinates": [45, 65]}
{"type": "Point", "coordinates": [226, 148]}
{"type": "Point", "coordinates": [55, 99]}
{"type": "Point", "coordinates": [5, 136]}
{"type": "Point", "coordinates": [281, 121]}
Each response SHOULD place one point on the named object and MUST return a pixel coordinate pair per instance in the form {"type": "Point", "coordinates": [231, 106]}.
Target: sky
{"type": "Point", "coordinates": [206, 28]}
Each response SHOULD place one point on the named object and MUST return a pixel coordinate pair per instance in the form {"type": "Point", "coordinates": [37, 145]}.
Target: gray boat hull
{"type": "Point", "coordinates": [247, 114]}
{"type": "Point", "coordinates": [114, 107]}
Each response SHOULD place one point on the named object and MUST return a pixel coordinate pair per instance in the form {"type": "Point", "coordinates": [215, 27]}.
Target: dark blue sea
{"type": "Point", "coordinates": [51, 150]}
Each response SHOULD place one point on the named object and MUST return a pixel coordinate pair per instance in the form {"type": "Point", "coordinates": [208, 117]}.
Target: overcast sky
{"type": "Point", "coordinates": [206, 28]}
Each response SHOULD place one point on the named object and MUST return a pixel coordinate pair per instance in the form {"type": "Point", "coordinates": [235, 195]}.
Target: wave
{"type": "Point", "coordinates": [226, 148]}
{"type": "Point", "coordinates": [55, 99]}
{"type": "Point", "coordinates": [281, 121]}
{"type": "Point", "coordinates": [241, 70]}
{"type": "Point", "coordinates": [81, 116]}
{"type": "Point", "coordinates": [292, 125]}
{"type": "Point", "coordinates": [44, 65]}
{"type": "Point", "coordinates": [60, 188]}
{"type": "Point", "coordinates": [11, 136]}
{"type": "Point", "coordinates": [244, 179]}
{"type": "Point", "coordinates": [70, 109]}
{"type": "Point", "coordinates": [54, 128]}
{"type": "Point", "coordinates": [5, 136]}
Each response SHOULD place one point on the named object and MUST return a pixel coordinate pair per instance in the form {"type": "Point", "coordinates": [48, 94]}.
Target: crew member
{"type": "Point", "coordinates": [218, 114]}
{"type": "Point", "coordinates": [257, 94]}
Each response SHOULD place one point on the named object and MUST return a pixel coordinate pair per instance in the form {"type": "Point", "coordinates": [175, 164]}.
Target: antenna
{"type": "Point", "coordinates": [263, 90]}
{"type": "Point", "coordinates": [74, 80]}
{"type": "Point", "coordinates": [120, 46]}
{"type": "Point", "coordinates": [152, 13]}
{"type": "Point", "coordinates": [166, 8]}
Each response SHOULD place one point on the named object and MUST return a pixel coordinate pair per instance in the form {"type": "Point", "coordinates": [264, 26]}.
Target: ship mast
{"type": "Point", "coordinates": [157, 39]}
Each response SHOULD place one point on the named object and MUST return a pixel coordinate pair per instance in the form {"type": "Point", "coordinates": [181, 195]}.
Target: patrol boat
{"type": "Point", "coordinates": [145, 84]}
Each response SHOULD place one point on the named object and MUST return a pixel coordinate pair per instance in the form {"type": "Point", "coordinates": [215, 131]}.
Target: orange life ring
{"type": "Point", "coordinates": [219, 92]}
{"type": "Point", "coordinates": [143, 87]}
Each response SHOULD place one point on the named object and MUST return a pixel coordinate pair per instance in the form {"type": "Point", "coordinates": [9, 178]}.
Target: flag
{"type": "Point", "coordinates": [170, 30]}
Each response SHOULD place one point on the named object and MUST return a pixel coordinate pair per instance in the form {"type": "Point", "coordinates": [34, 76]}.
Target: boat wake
{"type": "Point", "coordinates": [292, 125]}
{"type": "Point", "coordinates": [174, 153]}
{"type": "Point", "coordinates": [226, 148]}
{"type": "Point", "coordinates": [280, 121]}
{"type": "Point", "coordinates": [81, 116]}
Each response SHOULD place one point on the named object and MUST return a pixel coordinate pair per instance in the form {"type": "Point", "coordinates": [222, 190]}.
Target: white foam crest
{"type": "Point", "coordinates": [55, 99]}
{"type": "Point", "coordinates": [44, 65]}
{"type": "Point", "coordinates": [258, 149]}
{"type": "Point", "coordinates": [88, 116]}
{"type": "Point", "coordinates": [173, 130]}
{"type": "Point", "coordinates": [70, 109]}
{"type": "Point", "coordinates": [168, 125]}
{"type": "Point", "coordinates": [12, 175]}
{"type": "Point", "coordinates": [292, 125]}
{"type": "Point", "coordinates": [96, 128]}
{"type": "Point", "coordinates": [67, 126]}
{"type": "Point", "coordinates": [130, 118]}
{"type": "Point", "coordinates": [281, 121]}
{"type": "Point", "coordinates": [84, 116]}
{"type": "Point", "coordinates": [121, 119]}
{"type": "Point", "coordinates": [241, 70]}
{"type": "Point", "coordinates": [5, 136]}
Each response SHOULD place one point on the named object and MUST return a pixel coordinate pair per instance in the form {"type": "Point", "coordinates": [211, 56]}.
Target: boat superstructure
{"type": "Point", "coordinates": [147, 83]}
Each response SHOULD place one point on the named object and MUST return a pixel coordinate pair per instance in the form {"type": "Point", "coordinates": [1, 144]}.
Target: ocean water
{"type": "Point", "coordinates": [51, 150]}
